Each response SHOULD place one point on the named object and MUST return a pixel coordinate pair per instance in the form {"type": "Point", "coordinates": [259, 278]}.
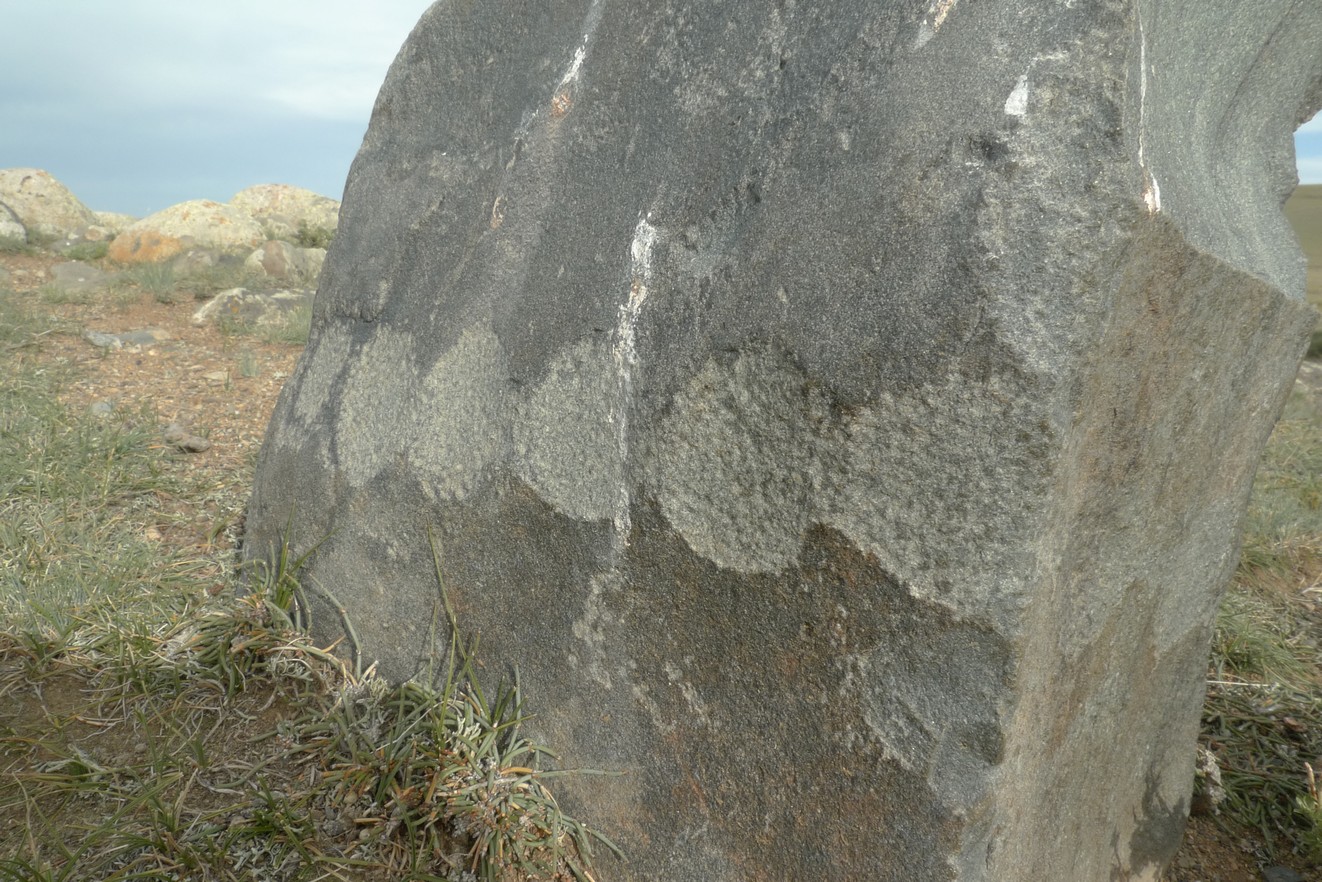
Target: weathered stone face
{"type": "Point", "coordinates": [840, 413]}
{"type": "Point", "coordinates": [41, 203]}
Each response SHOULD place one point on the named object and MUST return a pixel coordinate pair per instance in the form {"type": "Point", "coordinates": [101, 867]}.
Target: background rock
{"type": "Point", "coordinates": [108, 225]}
{"type": "Point", "coordinates": [251, 307]}
{"type": "Point", "coordinates": [43, 204]}
{"type": "Point", "coordinates": [75, 275]}
{"type": "Point", "coordinates": [287, 262]}
{"type": "Point", "coordinates": [281, 208]}
{"type": "Point", "coordinates": [841, 415]}
{"type": "Point", "coordinates": [10, 226]}
{"type": "Point", "coordinates": [199, 223]}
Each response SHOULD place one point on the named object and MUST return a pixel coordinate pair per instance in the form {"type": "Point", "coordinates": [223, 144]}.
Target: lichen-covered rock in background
{"type": "Point", "coordinates": [42, 203]}
{"type": "Point", "coordinates": [840, 414]}
{"type": "Point", "coordinates": [198, 223]}
{"type": "Point", "coordinates": [109, 224]}
{"type": "Point", "coordinates": [10, 225]}
{"type": "Point", "coordinates": [283, 209]}
{"type": "Point", "coordinates": [287, 262]}
{"type": "Point", "coordinates": [251, 308]}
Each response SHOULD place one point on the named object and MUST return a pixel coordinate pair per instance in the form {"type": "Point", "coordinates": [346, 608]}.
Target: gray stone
{"type": "Point", "coordinates": [1281, 874]}
{"type": "Point", "coordinates": [287, 262]}
{"type": "Point", "coordinates": [75, 275]}
{"type": "Point", "coordinates": [108, 225]}
{"type": "Point", "coordinates": [283, 210]}
{"type": "Point", "coordinates": [198, 223]}
{"type": "Point", "coordinates": [145, 337]}
{"type": "Point", "coordinates": [193, 262]}
{"type": "Point", "coordinates": [840, 414]}
{"type": "Point", "coordinates": [251, 307]}
{"type": "Point", "coordinates": [11, 227]}
{"type": "Point", "coordinates": [178, 437]}
{"type": "Point", "coordinates": [43, 204]}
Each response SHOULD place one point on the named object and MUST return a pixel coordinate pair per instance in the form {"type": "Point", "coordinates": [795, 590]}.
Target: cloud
{"type": "Point", "coordinates": [322, 59]}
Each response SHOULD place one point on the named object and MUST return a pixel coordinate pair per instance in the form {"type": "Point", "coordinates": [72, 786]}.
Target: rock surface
{"type": "Point", "coordinates": [287, 262]}
{"type": "Point", "coordinates": [108, 225]}
{"type": "Point", "coordinates": [251, 307]}
{"type": "Point", "coordinates": [281, 208]}
{"type": "Point", "coordinates": [10, 225]}
{"type": "Point", "coordinates": [840, 417]}
{"type": "Point", "coordinates": [198, 223]}
{"type": "Point", "coordinates": [42, 203]}
{"type": "Point", "coordinates": [75, 275]}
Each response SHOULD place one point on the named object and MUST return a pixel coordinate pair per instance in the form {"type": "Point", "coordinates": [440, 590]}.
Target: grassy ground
{"type": "Point", "coordinates": [1263, 716]}
{"type": "Point", "coordinates": [150, 731]}
{"type": "Point", "coordinates": [1304, 209]}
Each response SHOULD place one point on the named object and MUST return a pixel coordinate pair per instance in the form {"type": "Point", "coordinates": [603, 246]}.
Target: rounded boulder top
{"type": "Point", "coordinates": [282, 208]}
{"type": "Point", "coordinates": [42, 203]}
{"type": "Point", "coordinates": [199, 223]}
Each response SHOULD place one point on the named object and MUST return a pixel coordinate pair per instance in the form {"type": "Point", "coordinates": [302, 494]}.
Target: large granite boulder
{"type": "Point", "coordinates": [283, 209]}
{"type": "Point", "coordinates": [841, 414]}
{"type": "Point", "coordinates": [43, 204]}
{"type": "Point", "coordinates": [198, 223]}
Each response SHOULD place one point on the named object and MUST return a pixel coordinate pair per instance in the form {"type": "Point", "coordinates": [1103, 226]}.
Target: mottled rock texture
{"type": "Point", "coordinates": [840, 413]}
{"type": "Point", "coordinates": [43, 204]}
{"type": "Point", "coordinates": [198, 223]}
{"type": "Point", "coordinates": [10, 226]}
{"type": "Point", "coordinates": [282, 209]}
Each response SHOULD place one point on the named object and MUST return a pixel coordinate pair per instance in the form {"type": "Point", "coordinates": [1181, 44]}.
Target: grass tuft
{"type": "Point", "coordinates": [1262, 719]}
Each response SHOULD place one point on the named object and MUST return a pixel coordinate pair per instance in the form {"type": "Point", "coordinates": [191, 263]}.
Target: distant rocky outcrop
{"type": "Point", "coordinates": [196, 223]}
{"type": "Point", "coordinates": [33, 201]}
{"type": "Point", "coordinates": [282, 210]}
{"type": "Point", "coordinates": [194, 238]}
{"type": "Point", "coordinates": [109, 224]}
{"type": "Point", "coordinates": [42, 204]}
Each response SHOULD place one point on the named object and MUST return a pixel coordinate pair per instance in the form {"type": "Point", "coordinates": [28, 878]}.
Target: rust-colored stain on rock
{"type": "Point", "coordinates": [144, 247]}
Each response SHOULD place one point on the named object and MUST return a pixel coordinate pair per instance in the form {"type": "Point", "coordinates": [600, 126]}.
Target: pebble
{"type": "Point", "coordinates": [145, 337]}
{"type": "Point", "coordinates": [1281, 874]}
{"type": "Point", "coordinates": [181, 439]}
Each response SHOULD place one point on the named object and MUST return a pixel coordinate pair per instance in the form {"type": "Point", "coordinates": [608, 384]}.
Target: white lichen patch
{"type": "Point", "coordinates": [562, 99]}
{"type": "Point", "coordinates": [571, 75]}
{"type": "Point", "coordinates": [1151, 192]}
{"type": "Point", "coordinates": [1151, 189]}
{"type": "Point", "coordinates": [1017, 102]}
{"type": "Point", "coordinates": [936, 16]}
{"type": "Point", "coordinates": [590, 628]}
{"type": "Point", "coordinates": [625, 352]}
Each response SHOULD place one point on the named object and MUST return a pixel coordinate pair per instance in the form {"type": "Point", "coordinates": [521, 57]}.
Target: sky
{"type": "Point", "coordinates": [137, 105]}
